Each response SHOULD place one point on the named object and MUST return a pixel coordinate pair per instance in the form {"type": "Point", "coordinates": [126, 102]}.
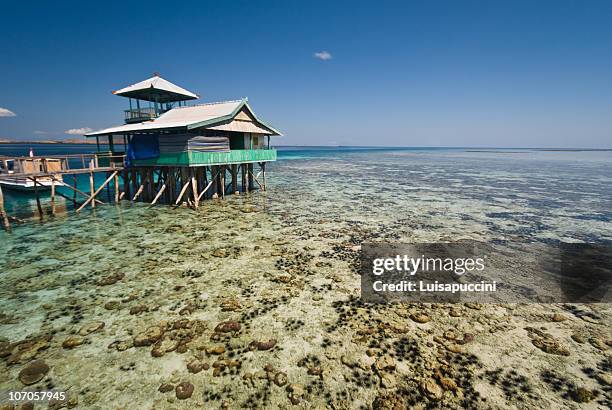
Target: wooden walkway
{"type": "Point", "coordinates": [52, 169]}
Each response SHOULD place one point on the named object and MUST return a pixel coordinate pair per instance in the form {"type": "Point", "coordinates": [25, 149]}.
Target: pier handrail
{"type": "Point", "coordinates": [60, 164]}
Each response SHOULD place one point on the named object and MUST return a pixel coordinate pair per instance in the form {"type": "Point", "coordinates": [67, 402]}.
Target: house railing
{"type": "Point", "coordinates": [140, 114]}
{"type": "Point", "coordinates": [198, 158]}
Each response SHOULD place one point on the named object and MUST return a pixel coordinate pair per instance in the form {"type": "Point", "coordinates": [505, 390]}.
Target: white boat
{"type": "Point", "coordinates": [12, 173]}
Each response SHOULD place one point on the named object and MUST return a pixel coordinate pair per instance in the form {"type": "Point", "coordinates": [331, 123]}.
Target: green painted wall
{"type": "Point", "coordinates": [237, 156]}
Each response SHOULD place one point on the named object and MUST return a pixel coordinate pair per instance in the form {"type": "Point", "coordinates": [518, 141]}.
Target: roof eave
{"type": "Point", "coordinates": [243, 102]}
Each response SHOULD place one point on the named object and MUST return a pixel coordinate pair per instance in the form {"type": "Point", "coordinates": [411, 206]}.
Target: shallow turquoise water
{"type": "Point", "coordinates": [283, 261]}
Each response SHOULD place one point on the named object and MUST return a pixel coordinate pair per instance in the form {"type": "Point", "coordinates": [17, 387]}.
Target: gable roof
{"type": "Point", "coordinates": [156, 88]}
{"type": "Point", "coordinates": [197, 116]}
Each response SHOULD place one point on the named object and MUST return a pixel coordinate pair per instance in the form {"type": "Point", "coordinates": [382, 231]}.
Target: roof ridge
{"type": "Point", "coordinates": [209, 103]}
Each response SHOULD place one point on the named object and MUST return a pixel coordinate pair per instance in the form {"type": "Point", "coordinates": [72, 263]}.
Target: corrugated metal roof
{"type": "Point", "coordinates": [197, 116]}
{"type": "Point", "coordinates": [241, 126]}
{"type": "Point", "coordinates": [157, 83]}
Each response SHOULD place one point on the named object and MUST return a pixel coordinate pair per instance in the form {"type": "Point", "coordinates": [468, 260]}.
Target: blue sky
{"type": "Point", "coordinates": [428, 73]}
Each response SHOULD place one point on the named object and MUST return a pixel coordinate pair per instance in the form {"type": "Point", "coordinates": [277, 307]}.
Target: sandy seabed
{"type": "Point", "coordinates": [253, 302]}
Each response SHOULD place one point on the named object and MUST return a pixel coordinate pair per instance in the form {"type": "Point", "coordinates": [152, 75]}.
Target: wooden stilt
{"type": "Point", "coordinates": [116, 183]}
{"type": "Point", "coordinates": [263, 170]}
{"type": "Point", "coordinates": [250, 176]}
{"type": "Point", "coordinates": [40, 212]}
{"type": "Point", "coordinates": [205, 171]}
{"type": "Point", "coordinates": [222, 181]}
{"type": "Point", "coordinates": [245, 187]}
{"type": "Point", "coordinates": [159, 194]}
{"type": "Point", "coordinates": [93, 195]}
{"type": "Point", "coordinates": [134, 177]}
{"type": "Point", "coordinates": [91, 184]}
{"type": "Point", "coordinates": [234, 171]}
{"type": "Point", "coordinates": [74, 191]}
{"type": "Point", "coordinates": [108, 192]}
{"type": "Point", "coordinates": [214, 173]}
{"type": "Point", "coordinates": [52, 197]}
{"type": "Point", "coordinates": [126, 182]}
{"type": "Point", "coordinates": [194, 189]}
{"type": "Point", "coordinates": [3, 216]}
{"type": "Point", "coordinates": [183, 190]}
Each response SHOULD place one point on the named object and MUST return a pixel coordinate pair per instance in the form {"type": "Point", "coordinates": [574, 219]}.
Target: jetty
{"type": "Point", "coordinates": [166, 152]}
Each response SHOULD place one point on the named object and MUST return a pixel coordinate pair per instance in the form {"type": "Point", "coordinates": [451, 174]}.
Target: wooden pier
{"type": "Point", "coordinates": [168, 152]}
{"type": "Point", "coordinates": [172, 185]}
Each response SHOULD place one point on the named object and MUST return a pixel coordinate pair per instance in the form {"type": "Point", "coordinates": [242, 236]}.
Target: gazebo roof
{"type": "Point", "coordinates": [226, 116]}
{"type": "Point", "coordinates": [156, 89]}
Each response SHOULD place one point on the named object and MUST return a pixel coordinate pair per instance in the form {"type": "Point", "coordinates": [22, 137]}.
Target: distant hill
{"type": "Point", "coordinates": [64, 141]}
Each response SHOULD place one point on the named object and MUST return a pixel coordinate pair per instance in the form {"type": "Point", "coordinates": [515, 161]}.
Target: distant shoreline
{"type": "Point", "coordinates": [67, 141]}
{"type": "Point", "coordinates": [73, 141]}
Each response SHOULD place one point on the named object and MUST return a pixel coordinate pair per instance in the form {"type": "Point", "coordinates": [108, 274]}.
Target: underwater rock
{"type": "Point", "coordinates": [598, 344]}
{"type": "Point", "coordinates": [280, 379]}
{"type": "Point", "coordinates": [121, 345]}
{"type": "Point", "coordinates": [315, 371]}
{"type": "Point", "coordinates": [136, 310]}
{"type": "Point", "coordinates": [195, 366]}
{"type": "Point", "coordinates": [448, 384]}
{"type": "Point", "coordinates": [557, 317]}
{"type": "Point", "coordinates": [267, 345]}
{"type": "Point", "coordinates": [420, 317]}
{"type": "Point", "coordinates": [432, 389]}
{"type": "Point", "coordinates": [220, 253]}
{"type": "Point", "coordinates": [551, 346]}
{"type": "Point", "coordinates": [184, 390]}
{"type": "Point", "coordinates": [165, 388]}
{"type": "Point", "coordinates": [216, 350]}
{"type": "Point", "coordinates": [389, 401]}
{"type": "Point", "coordinates": [25, 350]}
{"type": "Point", "coordinates": [384, 363]}
{"type": "Point", "coordinates": [467, 338]}
{"type": "Point", "coordinates": [112, 305]}
{"type": "Point", "coordinates": [72, 342]}
{"type": "Point", "coordinates": [230, 305]}
{"type": "Point", "coordinates": [228, 326]}
{"type": "Point", "coordinates": [163, 346]}
{"type": "Point", "coordinates": [33, 372]}
{"type": "Point", "coordinates": [149, 336]}
{"type": "Point", "coordinates": [111, 279]}
{"type": "Point", "coordinates": [90, 328]}
{"type": "Point", "coordinates": [582, 395]}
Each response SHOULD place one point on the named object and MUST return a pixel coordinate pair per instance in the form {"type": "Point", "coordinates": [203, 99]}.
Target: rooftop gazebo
{"type": "Point", "coordinates": [163, 134]}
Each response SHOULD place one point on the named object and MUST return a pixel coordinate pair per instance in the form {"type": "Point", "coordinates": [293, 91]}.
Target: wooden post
{"type": "Point", "coordinates": [91, 183]}
{"type": "Point", "coordinates": [213, 175]}
{"type": "Point", "coordinates": [74, 191]}
{"type": "Point", "coordinates": [250, 176]}
{"type": "Point", "coordinates": [263, 170]}
{"type": "Point", "coordinates": [53, 197]}
{"type": "Point", "coordinates": [234, 171]}
{"type": "Point", "coordinates": [3, 216]}
{"type": "Point", "coordinates": [116, 188]}
{"type": "Point", "coordinates": [40, 212]}
{"type": "Point", "coordinates": [126, 182]}
{"type": "Point", "coordinates": [222, 181]}
{"type": "Point", "coordinates": [243, 179]}
{"type": "Point", "coordinates": [93, 195]}
{"type": "Point", "coordinates": [194, 189]}
{"type": "Point", "coordinates": [205, 169]}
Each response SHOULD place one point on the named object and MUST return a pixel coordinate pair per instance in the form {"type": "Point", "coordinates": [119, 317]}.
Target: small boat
{"type": "Point", "coordinates": [12, 173]}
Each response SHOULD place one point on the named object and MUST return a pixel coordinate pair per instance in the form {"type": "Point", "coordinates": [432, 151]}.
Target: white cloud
{"type": "Point", "coordinates": [5, 112]}
{"type": "Point", "coordinates": [323, 55]}
{"type": "Point", "coordinates": [37, 132]}
{"type": "Point", "coordinates": [78, 131]}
